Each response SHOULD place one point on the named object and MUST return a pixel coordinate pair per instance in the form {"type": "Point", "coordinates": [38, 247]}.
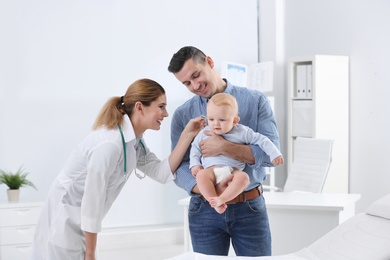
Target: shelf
{"type": "Point", "coordinates": [324, 113]}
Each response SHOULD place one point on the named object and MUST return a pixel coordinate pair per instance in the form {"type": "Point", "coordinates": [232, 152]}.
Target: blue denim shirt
{"type": "Point", "coordinates": [254, 111]}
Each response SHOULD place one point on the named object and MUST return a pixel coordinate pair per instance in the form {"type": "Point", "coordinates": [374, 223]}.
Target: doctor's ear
{"type": "Point", "coordinates": [138, 106]}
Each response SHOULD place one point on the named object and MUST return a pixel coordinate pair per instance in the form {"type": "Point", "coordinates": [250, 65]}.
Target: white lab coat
{"type": "Point", "coordinates": [85, 189]}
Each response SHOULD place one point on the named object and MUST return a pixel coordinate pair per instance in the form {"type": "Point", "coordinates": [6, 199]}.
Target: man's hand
{"type": "Point", "coordinates": [216, 145]}
{"type": "Point", "coordinates": [212, 146]}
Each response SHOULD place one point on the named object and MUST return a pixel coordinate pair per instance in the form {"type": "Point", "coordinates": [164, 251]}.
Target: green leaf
{"type": "Point", "coordinates": [15, 180]}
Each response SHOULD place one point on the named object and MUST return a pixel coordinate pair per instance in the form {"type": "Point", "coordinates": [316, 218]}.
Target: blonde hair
{"type": "Point", "coordinates": [225, 99]}
{"type": "Point", "coordinates": [143, 90]}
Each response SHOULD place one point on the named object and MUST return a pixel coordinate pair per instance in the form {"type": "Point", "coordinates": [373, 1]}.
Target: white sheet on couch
{"type": "Point", "coordinates": [362, 237]}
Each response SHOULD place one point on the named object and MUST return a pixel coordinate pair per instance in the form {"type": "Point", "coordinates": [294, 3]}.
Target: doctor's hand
{"type": "Point", "coordinates": [214, 145]}
{"type": "Point", "coordinates": [90, 245]}
{"type": "Point", "coordinates": [194, 126]}
{"type": "Point", "coordinates": [89, 256]}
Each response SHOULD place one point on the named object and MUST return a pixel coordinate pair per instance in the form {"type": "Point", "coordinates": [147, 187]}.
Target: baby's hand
{"type": "Point", "coordinates": [278, 160]}
{"type": "Point", "coordinates": [195, 169]}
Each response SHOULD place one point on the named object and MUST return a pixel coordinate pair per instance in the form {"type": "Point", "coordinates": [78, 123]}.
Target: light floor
{"type": "Point", "coordinates": [153, 242]}
{"type": "Point", "coordinates": [143, 253]}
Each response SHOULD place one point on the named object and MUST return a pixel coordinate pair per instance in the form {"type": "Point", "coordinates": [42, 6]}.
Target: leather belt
{"type": "Point", "coordinates": [246, 195]}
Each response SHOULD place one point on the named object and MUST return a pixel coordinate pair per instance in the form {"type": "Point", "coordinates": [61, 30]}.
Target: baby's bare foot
{"type": "Point", "coordinates": [215, 202]}
{"type": "Point", "coordinates": [221, 209]}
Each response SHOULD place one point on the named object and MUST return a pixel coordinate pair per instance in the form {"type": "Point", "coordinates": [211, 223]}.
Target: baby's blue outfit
{"type": "Point", "coordinates": [239, 134]}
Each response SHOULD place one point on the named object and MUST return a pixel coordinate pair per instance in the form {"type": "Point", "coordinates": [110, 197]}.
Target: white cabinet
{"type": "Point", "coordinates": [17, 227]}
{"type": "Point", "coordinates": [318, 106]}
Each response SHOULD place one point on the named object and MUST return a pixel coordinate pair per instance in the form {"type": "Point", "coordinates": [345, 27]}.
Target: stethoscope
{"type": "Point", "coordinates": [125, 155]}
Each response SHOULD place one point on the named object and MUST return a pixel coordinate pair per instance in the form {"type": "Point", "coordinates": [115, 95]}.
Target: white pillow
{"type": "Point", "coordinates": [380, 208]}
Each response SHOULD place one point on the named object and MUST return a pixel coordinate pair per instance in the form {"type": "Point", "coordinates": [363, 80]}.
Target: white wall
{"type": "Point", "coordinates": [358, 29]}
{"type": "Point", "coordinates": [61, 60]}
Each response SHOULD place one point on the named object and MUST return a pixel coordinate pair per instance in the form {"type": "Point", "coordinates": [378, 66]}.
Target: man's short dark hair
{"type": "Point", "coordinates": [184, 54]}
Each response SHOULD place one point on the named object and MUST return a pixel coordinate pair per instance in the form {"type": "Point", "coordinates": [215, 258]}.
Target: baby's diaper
{"type": "Point", "coordinates": [221, 173]}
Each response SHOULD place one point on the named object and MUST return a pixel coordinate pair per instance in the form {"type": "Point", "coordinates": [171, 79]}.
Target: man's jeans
{"type": "Point", "coordinates": [246, 223]}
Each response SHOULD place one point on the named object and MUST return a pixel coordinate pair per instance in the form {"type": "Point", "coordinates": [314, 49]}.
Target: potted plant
{"type": "Point", "coordinates": [15, 180]}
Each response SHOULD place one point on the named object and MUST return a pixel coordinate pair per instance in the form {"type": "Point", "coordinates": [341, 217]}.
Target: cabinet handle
{"type": "Point", "coordinates": [22, 211]}
{"type": "Point", "coordinates": [23, 248]}
{"type": "Point", "coordinates": [24, 229]}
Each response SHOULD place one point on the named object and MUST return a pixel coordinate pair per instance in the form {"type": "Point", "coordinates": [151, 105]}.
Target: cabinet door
{"type": "Point", "coordinates": [15, 252]}
{"type": "Point", "coordinates": [303, 118]}
{"type": "Point", "coordinates": [19, 216]}
{"type": "Point", "coordinates": [16, 235]}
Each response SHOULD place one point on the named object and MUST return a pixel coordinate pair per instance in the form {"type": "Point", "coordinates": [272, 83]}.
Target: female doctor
{"type": "Point", "coordinates": [99, 167]}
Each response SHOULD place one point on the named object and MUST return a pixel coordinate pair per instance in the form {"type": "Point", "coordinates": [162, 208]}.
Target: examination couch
{"type": "Point", "coordinates": [366, 236]}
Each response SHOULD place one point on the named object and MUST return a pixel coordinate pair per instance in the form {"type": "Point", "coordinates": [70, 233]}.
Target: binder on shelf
{"type": "Point", "coordinates": [303, 81]}
{"type": "Point", "coordinates": [300, 81]}
{"type": "Point", "coordinates": [309, 81]}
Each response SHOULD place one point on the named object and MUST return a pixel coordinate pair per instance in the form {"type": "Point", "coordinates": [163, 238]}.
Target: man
{"type": "Point", "coordinates": [245, 220]}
